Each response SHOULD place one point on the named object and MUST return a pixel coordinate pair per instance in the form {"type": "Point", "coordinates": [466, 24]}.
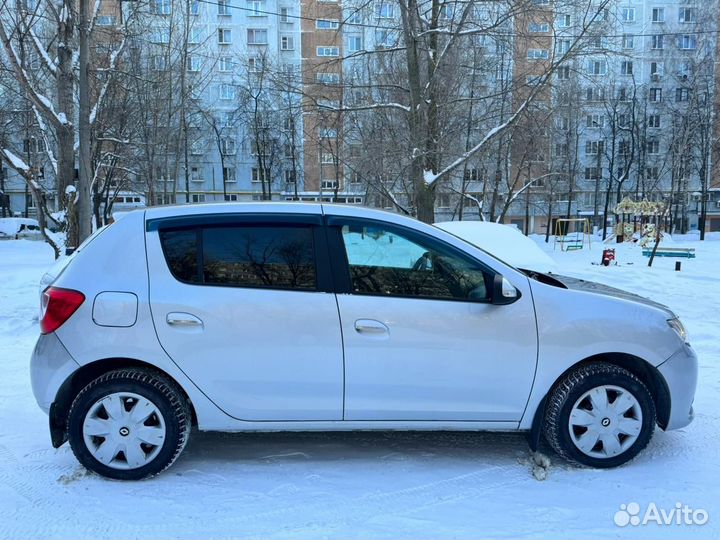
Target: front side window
{"type": "Point", "coordinates": [385, 262]}
{"type": "Point", "coordinates": [272, 256]}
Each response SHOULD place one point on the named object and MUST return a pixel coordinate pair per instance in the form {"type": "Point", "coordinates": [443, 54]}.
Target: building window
{"type": "Point", "coordinates": [327, 133]}
{"type": "Point", "coordinates": [591, 173]}
{"type": "Point", "coordinates": [652, 173]}
{"type": "Point", "coordinates": [161, 35]}
{"type": "Point", "coordinates": [194, 63]}
{"type": "Point", "coordinates": [227, 91]}
{"type": "Point", "coordinates": [687, 42]}
{"type": "Point", "coordinates": [327, 24]}
{"type": "Point", "coordinates": [597, 67]}
{"type": "Point", "coordinates": [105, 20]}
{"type": "Point", "coordinates": [255, 8]}
{"type": "Point", "coordinates": [656, 69]}
{"type": "Point", "coordinates": [227, 147]}
{"type": "Point", "coordinates": [258, 176]}
{"type": "Point", "coordinates": [195, 36]}
{"type": "Point", "coordinates": [594, 94]}
{"type": "Point", "coordinates": [658, 15]}
{"type": "Point", "coordinates": [328, 51]}
{"type": "Point", "coordinates": [627, 14]}
{"type": "Point", "coordinates": [563, 73]}
{"type": "Point", "coordinates": [538, 54]}
{"type": "Point", "coordinates": [231, 197]}
{"type": "Point", "coordinates": [687, 15]}
{"type": "Point", "coordinates": [592, 148]}
{"type": "Point", "coordinates": [287, 43]}
{"type": "Point", "coordinates": [385, 38]}
{"type": "Point", "coordinates": [626, 67]}
{"type": "Point", "coordinates": [327, 78]}
{"type": "Point", "coordinates": [563, 46]}
{"type": "Point", "coordinates": [327, 158]}
{"type": "Point", "coordinates": [195, 174]}
{"type": "Point", "coordinates": [538, 28]}
{"type": "Point", "coordinates": [257, 36]}
{"type": "Point", "coordinates": [198, 197]}
{"type": "Point", "coordinates": [223, 8]}
{"type": "Point", "coordinates": [224, 36]}
{"type": "Point", "coordinates": [658, 41]}
{"type": "Point", "coordinates": [628, 41]}
{"type": "Point", "coordinates": [157, 62]}
{"type": "Point", "coordinates": [384, 10]}
{"type": "Point", "coordinates": [656, 95]}
{"type": "Point", "coordinates": [354, 18]}
{"type": "Point", "coordinates": [161, 7]}
{"type": "Point", "coordinates": [682, 94]}
{"type": "Point", "coordinates": [285, 15]}
{"type": "Point", "coordinates": [654, 121]}
{"type": "Point", "coordinates": [225, 64]}
{"type": "Point", "coordinates": [329, 184]}
{"type": "Point", "coordinates": [229, 175]}
{"type": "Point", "coordinates": [595, 121]}
{"type": "Point", "coordinates": [255, 65]}
{"type": "Point", "coordinates": [653, 147]}
{"type": "Point", "coordinates": [354, 43]}
{"type": "Point", "coordinates": [194, 7]}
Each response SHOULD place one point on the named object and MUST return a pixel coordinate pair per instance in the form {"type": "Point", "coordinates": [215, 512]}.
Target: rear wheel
{"type": "Point", "coordinates": [599, 415]}
{"type": "Point", "coordinates": [129, 424]}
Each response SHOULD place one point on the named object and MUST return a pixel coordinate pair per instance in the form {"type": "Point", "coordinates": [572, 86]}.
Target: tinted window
{"type": "Point", "coordinates": [278, 257]}
{"type": "Point", "coordinates": [180, 248]}
{"type": "Point", "coordinates": [384, 262]}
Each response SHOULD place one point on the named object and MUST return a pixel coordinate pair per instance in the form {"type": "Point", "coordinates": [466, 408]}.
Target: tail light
{"type": "Point", "coordinates": [57, 306]}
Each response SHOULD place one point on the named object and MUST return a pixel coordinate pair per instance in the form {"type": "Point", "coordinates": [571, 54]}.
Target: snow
{"type": "Point", "coordinates": [365, 485]}
{"type": "Point", "coordinates": [11, 226]}
{"type": "Point", "coordinates": [505, 242]}
{"type": "Point", "coordinates": [16, 162]}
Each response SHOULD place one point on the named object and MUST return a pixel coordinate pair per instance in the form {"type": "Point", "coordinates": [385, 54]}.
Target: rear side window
{"type": "Point", "coordinates": [181, 254]}
{"type": "Point", "coordinates": [277, 257]}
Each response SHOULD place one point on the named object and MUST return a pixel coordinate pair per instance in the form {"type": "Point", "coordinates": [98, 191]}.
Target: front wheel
{"type": "Point", "coordinates": [129, 424]}
{"type": "Point", "coordinates": [599, 415]}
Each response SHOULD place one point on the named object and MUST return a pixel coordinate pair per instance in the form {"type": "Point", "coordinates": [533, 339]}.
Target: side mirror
{"type": "Point", "coordinates": [504, 292]}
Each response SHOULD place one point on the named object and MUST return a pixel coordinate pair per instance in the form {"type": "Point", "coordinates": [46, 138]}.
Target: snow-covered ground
{"type": "Point", "coordinates": [379, 485]}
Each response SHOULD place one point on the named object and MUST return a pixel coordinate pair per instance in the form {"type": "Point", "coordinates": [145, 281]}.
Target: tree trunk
{"type": "Point", "coordinates": [84, 202]}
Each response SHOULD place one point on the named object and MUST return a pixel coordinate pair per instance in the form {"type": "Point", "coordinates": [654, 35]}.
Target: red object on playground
{"type": "Point", "coordinates": [608, 256]}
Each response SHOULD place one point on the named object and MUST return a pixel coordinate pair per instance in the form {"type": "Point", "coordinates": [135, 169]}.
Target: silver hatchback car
{"type": "Point", "coordinates": [296, 317]}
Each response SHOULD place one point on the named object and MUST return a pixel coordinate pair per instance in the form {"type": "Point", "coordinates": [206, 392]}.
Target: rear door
{"type": "Point", "coordinates": [243, 305]}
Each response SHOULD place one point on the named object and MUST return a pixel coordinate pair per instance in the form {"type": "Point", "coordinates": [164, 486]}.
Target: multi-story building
{"type": "Point", "coordinates": [267, 90]}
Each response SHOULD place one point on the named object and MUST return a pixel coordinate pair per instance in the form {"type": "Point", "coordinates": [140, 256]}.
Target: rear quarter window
{"type": "Point", "coordinates": [265, 256]}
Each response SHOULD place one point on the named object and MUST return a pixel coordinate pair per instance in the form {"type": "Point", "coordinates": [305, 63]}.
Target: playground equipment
{"type": "Point", "coordinates": [572, 241]}
{"type": "Point", "coordinates": [638, 221]}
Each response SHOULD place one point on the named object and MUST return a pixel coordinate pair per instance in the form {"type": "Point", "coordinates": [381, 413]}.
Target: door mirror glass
{"type": "Point", "coordinates": [504, 292]}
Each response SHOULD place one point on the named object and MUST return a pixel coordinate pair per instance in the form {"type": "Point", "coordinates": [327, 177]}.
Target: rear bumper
{"type": "Point", "coordinates": [50, 367]}
{"type": "Point", "coordinates": [681, 374]}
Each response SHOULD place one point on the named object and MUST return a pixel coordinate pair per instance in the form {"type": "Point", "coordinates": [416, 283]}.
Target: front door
{"type": "Point", "coordinates": [422, 341]}
{"type": "Point", "coordinates": [244, 309]}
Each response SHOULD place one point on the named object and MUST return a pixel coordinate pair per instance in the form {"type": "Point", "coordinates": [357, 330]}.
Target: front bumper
{"type": "Point", "coordinates": [50, 367]}
{"type": "Point", "coordinates": [680, 372]}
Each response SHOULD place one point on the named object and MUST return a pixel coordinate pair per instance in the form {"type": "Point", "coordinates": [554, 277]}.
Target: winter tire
{"type": "Point", "coordinates": [599, 415]}
{"type": "Point", "coordinates": [129, 424]}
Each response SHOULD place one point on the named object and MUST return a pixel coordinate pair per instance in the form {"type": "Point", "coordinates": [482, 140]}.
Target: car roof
{"type": "Point", "coordinates": [268, 207]}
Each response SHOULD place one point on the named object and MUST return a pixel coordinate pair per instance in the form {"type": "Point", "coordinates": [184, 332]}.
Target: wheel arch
{"type": "Point", "coordinates": [83, 376]}
{"type": "Point", "coordinates": [642, 369]}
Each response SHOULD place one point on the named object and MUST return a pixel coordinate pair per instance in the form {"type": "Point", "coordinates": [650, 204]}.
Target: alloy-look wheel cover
{"type": "Point", "coordinates": [605, 422]}
{"type": "Point", "coordinates": [124, 430]}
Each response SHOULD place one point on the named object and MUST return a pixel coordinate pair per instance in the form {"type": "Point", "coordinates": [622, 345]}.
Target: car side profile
{"type": "Point", "coordinates": [298, 317]}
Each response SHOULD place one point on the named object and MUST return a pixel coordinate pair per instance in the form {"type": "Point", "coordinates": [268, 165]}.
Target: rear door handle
{"type": "Point", "coordinates": [185, 320]}
{"type": "Point", "coordinates": [370, 326]}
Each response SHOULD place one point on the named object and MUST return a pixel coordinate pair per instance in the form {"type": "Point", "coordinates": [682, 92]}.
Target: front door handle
{"type": "Point", "coordinates": [370, 326]}
{"type": "Point", "coordinates": [185, 320]}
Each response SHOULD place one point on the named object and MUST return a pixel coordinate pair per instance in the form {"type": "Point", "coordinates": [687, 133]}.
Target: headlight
{"type": "Point", "coordinates": [676, 325]}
